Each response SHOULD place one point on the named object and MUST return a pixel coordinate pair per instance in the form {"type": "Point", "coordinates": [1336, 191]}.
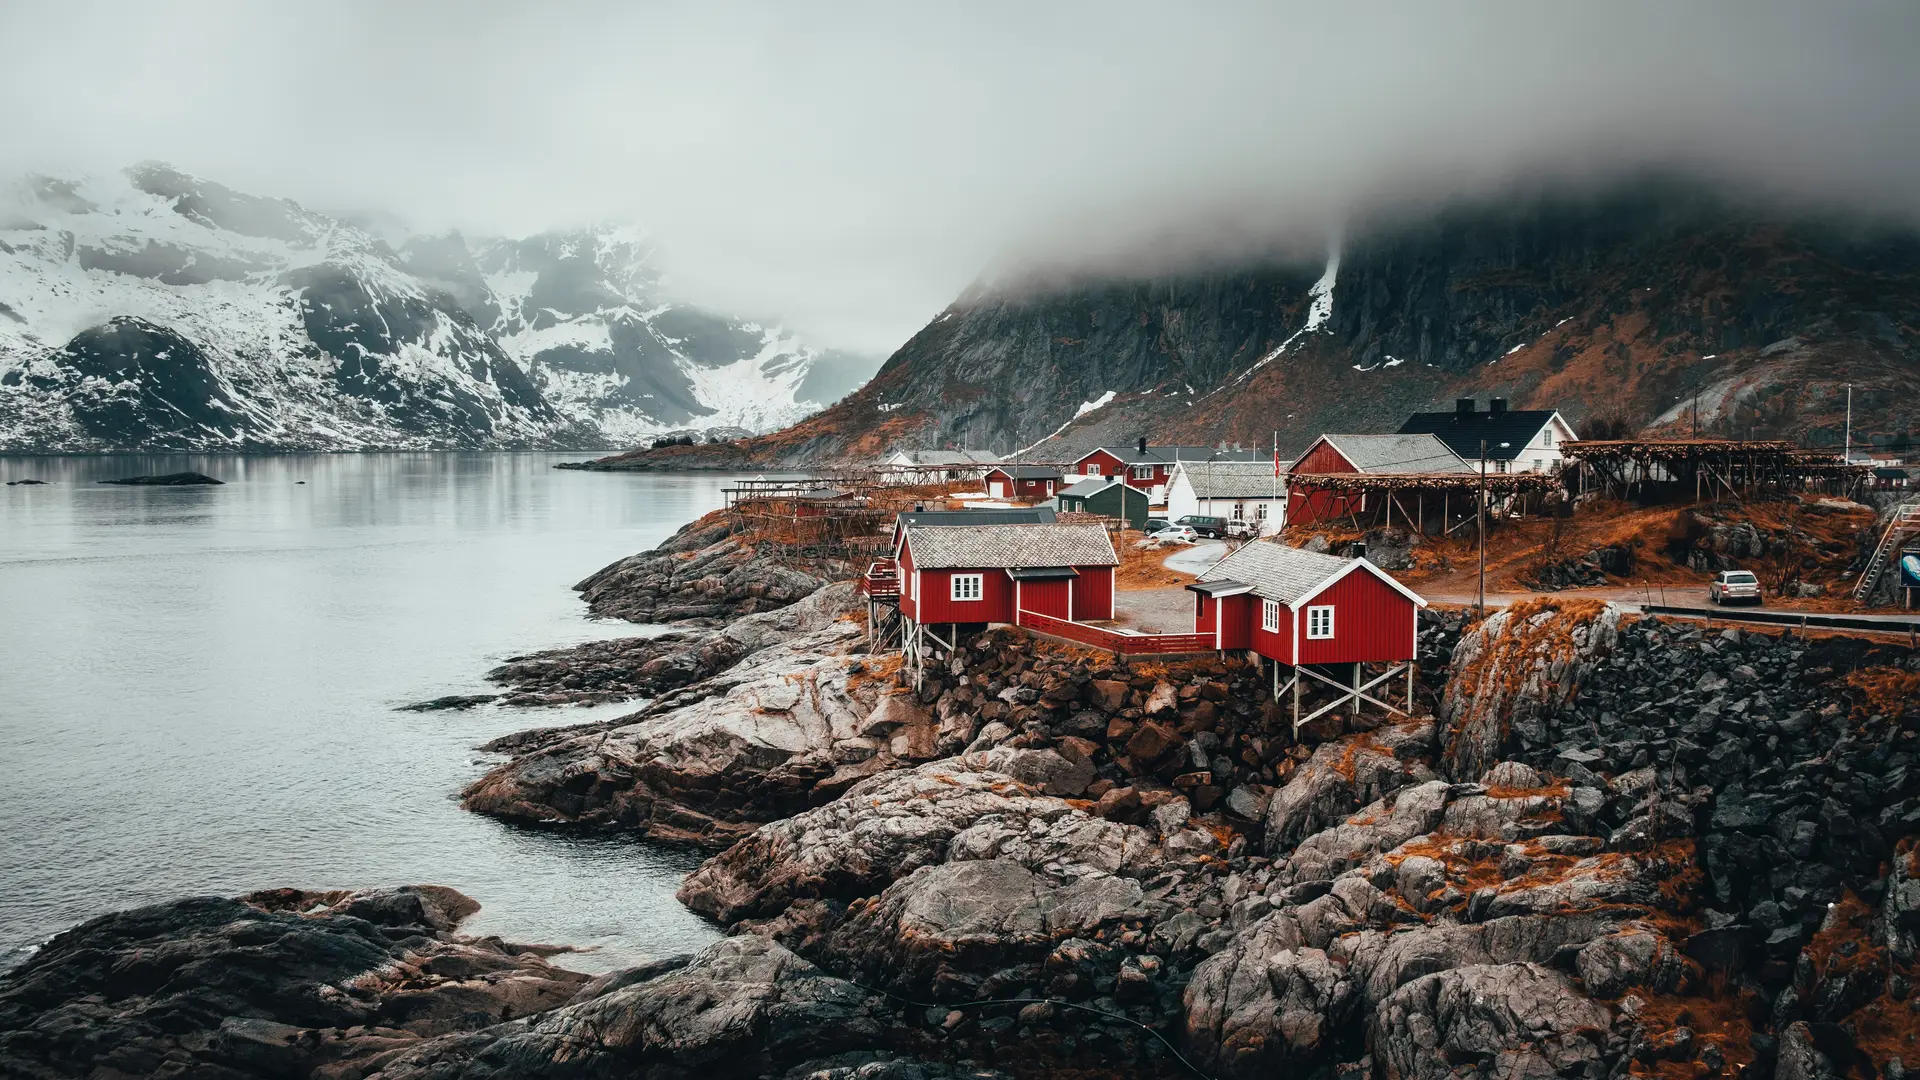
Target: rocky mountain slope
{"type": "Point", "coordinates": [157, 310]}
{"type": "Point", "coordinates": [1640, 303]}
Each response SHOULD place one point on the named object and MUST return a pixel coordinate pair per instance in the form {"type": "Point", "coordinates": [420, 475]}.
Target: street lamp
{"type": "Point", "coordinates": [1480, 522]}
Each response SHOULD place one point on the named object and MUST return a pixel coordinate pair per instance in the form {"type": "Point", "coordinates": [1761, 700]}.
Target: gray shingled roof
{"type": "Point", "coordinates": [1232, 479]}
{"type": "Point", "coordinates": [1093, 485]}
{"type": "Point", "coordinates": [1028, 472]}
{"type": "Point", "coordinates": [952, 457]}
{"type": "Point", "coordinates": [1008, 546]}
{"type": "Point", "coordinates": [1276, 571]}
{"type": "Point", "coordinates": [983, 515]}
{"type": "Point", "coordinates": [1398, 453]}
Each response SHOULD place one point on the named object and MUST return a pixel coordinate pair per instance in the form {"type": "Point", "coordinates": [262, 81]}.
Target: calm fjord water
{"type": "Point", "coordinates": [197, 685]}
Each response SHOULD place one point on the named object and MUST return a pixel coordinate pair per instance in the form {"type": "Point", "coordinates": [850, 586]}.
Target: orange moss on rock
{"type": "Point", "coordinates": [1888, 691]}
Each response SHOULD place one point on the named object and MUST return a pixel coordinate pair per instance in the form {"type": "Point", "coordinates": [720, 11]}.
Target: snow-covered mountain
{"type": "Point", "coordinates": [585, 314]}
{"type": "Point", "coordinates": [156, 310]}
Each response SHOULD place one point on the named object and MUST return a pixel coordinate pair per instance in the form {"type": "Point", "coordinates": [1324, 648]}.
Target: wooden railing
{"type": "Point", "coordinates": [1122, 642]}
{"type": "Point", "coordinates": [882, 580]}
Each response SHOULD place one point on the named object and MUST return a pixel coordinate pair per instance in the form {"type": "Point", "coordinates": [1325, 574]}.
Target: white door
{"type": "Point", "coordinates": [997, 489]}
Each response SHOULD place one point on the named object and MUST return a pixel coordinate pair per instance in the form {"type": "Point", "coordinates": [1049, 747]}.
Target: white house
{"type": "Point", "coordinates": [1516, 440]}
{"type": "Point", "coordinates": [1236, 490]}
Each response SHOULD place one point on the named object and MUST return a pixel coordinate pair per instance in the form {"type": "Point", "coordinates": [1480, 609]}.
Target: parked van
{"type": "Point", "coordinates": [1212, 527]}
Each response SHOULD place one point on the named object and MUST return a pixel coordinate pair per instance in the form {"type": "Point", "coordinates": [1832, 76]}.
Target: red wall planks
{"type": "Point", "coordinates": [1093, 593]}
{"type": "Point", "coordinates": [1372, 622]}
{"type": "Point", "coordinates": [936, 603]}
{"type": "Point", "coordinates": [1046, 597]}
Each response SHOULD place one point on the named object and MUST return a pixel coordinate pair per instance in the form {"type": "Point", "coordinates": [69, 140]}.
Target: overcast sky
{"type": "Point", "coordinates": [850, 168]}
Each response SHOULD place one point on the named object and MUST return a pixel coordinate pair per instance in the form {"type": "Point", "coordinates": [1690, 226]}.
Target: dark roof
{"type": "Point", "coordinates": [1016, 515]}
{"type": "Point", "coordinates": [1010, 546]}
{"type": "Point", "coordinates": [1888, 472]}
{"type": "Point", "coordinates": [1167, 455]}
{"type": "Point", "coordinates": [1042, 573]}
{"type": "Point", "coordinates": [1462, 432]}
{"type": "Point", "coordinates": [1028, 472]}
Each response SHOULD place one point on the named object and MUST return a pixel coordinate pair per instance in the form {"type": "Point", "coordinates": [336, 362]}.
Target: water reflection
{"type": "Point", "coordinates": [199, 681]}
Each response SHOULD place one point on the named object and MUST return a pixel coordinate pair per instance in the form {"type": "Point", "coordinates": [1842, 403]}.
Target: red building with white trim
{"type": "Point", "coordinates": [1371, 454]}
{"type": "Point", "coordinates": [958, 574]}
{"type": "Point", "coordinates": [1149, 468]}
{"type": "Point", "coordinates": [1023, 481]}
{"type": "Point", "coordinates": [1303, 610]}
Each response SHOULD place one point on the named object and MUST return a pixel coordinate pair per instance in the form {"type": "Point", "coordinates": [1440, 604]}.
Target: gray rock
{"type": "Point", "coordinates": [1528, 1019]}
{"type": "Point", "coordinates": [889, 826]}
{"type": "Point", "coordinates": [744, 1006]}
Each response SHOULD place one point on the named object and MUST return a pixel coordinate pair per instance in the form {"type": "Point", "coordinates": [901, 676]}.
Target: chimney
{"type": "Point", "coordinates": [919, 508]}
{"type": "Point", "coordinates": [1463, 406]}
{"type": "Point", "coordinates": [1497, 406]}
{"type": "Point", "coordinates": [1143, 444]}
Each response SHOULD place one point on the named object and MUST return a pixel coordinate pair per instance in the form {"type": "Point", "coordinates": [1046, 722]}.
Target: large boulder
{"type": "Point", "coordinates": [743, 1007]}
{"type": "Point", "coordinates": [983, 805]}
{"type": "Point", "coordinates": [1264, 1009]}
{"type": "Point", "coordinates": [1514, 669]}
{"type": "Point", "coordinates": [1344, 775]}
{"type": "Point", "coordinates": [1527, 1020]}
{"type": "Point", "coordinates": [701, 575]}
{"type": "Point", "coordinates": [942, 930]}
{"type": "Point", "coordinates": [708, 764]}
{"type": "Point", "coordinates": [273, 984]}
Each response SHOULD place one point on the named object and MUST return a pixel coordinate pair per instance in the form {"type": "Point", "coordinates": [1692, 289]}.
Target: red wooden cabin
{"type": "Point", "coordinates": [1304, 610]}
{"type": "Point", "coordinates": [1023, 481]}
{"type": "Point", "coordinates": [1151, 467]}
{"type": "Point", "coordinates": [987, 573]}
{"type": "Point", "coordinates": [1378, 454]}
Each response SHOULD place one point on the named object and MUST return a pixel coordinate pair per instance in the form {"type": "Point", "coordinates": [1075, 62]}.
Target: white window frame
{"type": "Point", "coordinates": [1270, 616]}
{"type": "Point", "coordinates": [1314, 614]}
{"type": "Point", "coordinates": [957, 594]}
{"type": "Point", "coordinates": [1093, 468]}
{"type": "Point", "coordinates": [1143, 472]}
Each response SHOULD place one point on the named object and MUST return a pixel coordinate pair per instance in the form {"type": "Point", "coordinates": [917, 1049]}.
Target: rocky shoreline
{"type": "Point", "coordinates": [1610, 846]}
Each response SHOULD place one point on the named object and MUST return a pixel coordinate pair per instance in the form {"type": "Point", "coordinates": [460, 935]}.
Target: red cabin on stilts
{"type": "Point", "coordinates": [1312, 613]}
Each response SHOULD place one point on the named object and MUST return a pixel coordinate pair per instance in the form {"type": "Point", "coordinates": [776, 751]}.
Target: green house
{"type": "Point", "coordinates": [1107, 495]}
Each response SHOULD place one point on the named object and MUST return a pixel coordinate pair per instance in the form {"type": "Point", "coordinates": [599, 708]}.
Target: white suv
{"type": "Point", "coordinates": [1734, 587]}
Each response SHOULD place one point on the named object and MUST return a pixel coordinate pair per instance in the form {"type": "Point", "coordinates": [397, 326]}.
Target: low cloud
{"type": "Point", "coordinates": [851, 167]}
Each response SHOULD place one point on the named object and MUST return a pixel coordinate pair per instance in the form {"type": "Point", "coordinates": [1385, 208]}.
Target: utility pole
{"type": "Point", "coordinates": [1846, 455]}
{"type": "Point", "coordinates": [1480, 526]}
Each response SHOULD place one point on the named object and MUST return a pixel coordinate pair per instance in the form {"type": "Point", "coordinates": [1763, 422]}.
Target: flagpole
{"type": "Point", "coordinates": [1279, 497]}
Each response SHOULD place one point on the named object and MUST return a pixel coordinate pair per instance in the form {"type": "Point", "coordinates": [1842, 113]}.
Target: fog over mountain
{"type": "Point", "coordinates": [847, 169]}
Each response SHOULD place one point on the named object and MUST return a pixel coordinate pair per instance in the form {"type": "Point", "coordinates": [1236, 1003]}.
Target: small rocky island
{"type": "Point", "coordinates": [1609, 845]}
{"type": "Point", "coordinates": [178, 479]}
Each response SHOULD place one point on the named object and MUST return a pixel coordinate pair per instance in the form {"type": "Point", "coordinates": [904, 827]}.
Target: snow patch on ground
{"type": "Point", "coordinates": [1088, 406]}
{"type": "Point", "coordinates": [1319, 310]}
